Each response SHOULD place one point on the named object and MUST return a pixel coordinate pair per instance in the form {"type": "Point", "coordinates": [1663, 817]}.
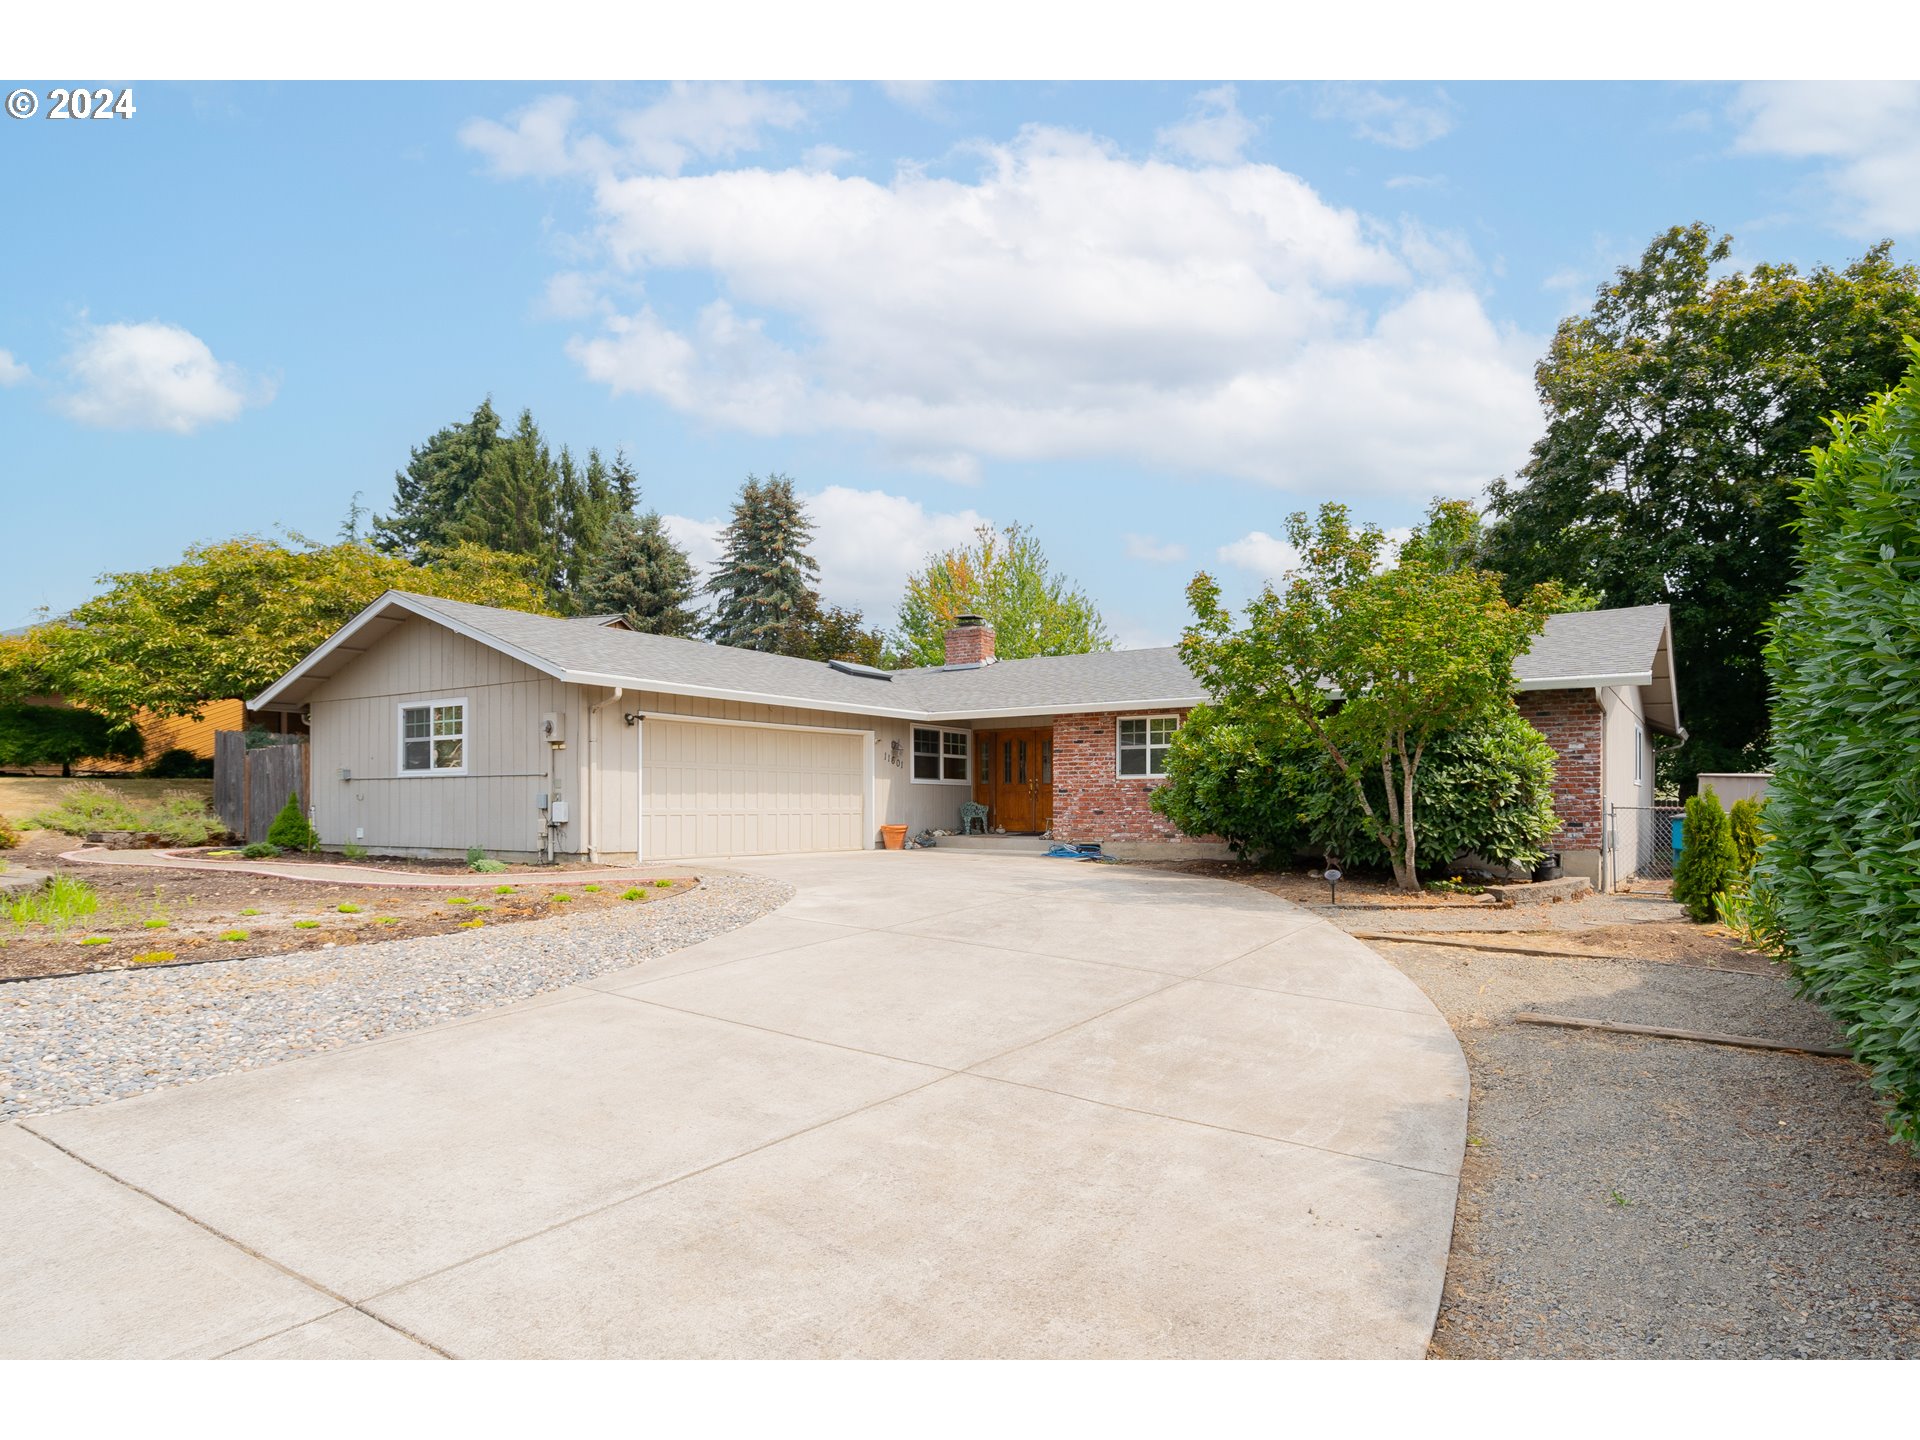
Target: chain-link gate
{"type": "Point", "coordinates": [1643, 841]}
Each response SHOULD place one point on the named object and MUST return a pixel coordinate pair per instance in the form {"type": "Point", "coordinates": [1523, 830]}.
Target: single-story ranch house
{"type": "Point", "coordinates": [438, 725]}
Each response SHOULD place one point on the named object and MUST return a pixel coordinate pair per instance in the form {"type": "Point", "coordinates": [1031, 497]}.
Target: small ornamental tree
{"type": "Point", "coordinates": [1839, 875]}
{"type": "Point", "coordinates": [290, 829]}
{"type": "Point", "coordinates": [1709, 865]}
{"type": "Point", "coordinates": [1373, 663]}
{"type": "Point", "coordinates": [1743, 821]}
{"type": "Point", "coordinates": [1485, 786]}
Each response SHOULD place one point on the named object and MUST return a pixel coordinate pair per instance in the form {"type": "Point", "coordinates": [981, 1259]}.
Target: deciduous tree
{"type": "Point", "coordinates": [1679, 411]}
{"type": "Point", "coordinates": [1372, 663]}
{"type": "Point", "coordinates": [36, 735]}
{"type": "Point", "coordinates": [1005, 578]}
{"type": "Point", "coordinates": [230, 618]}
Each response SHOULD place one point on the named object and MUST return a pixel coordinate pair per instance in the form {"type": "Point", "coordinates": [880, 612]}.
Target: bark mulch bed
{"type": "Point", "coordinates": [184, 914]}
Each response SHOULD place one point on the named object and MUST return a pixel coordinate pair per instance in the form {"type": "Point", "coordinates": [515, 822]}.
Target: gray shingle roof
{"type": "Point", "coordinates": [1578, 649]}
{"type": "Point", "coordinates": [1590, 644]}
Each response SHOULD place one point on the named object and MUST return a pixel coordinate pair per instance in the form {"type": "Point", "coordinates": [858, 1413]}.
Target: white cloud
{"type": "Point", "coordinates": [825, 157]}
{"type": "Point", "coordinates": [1214, 131]}
{"type": "Point", "coordinates": [1260, 555]}
{"type": "Point", "coordinates": [1416, 182]}
{"type": "Point", "coordinates": [12, 371]}
{"type": "Point", "coordinates": [1868, 131]}
{"type": "Point", "coordinates": [571, 295]}
{"type": "Point", "coordinates": [1154, 552]}
{"type": "Point", "coordinates": [153, 376]}
{"type": "Point", "coordinates": [923, 96]}
{"type": "Point", "coordinates": [1070, 302]}
{"type": "Point", "coordinates": [688, 122]}
{"type": "Point", "coordinates": [867, 543]}
{"type": "Point", "coordinates": [1392, 120]}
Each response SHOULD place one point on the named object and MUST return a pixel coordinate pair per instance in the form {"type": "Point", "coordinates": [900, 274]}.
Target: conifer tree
{"type": "Point", "coordinates": [514, 506]}
{"type": "Point", "coordinates": [430, 495]}
{"type": "Point", "coordinates": [643, 576]}
{"type": "Point", "coordinates": [764, 579]}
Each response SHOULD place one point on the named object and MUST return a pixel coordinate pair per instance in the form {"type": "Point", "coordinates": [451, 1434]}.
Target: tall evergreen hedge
{"type": "Point", "coordinates": [1709, 864]}
{"type": "Point", "coordinates": [1840, 872]}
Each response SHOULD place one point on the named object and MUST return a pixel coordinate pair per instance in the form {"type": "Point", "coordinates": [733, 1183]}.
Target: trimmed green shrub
{"type": "Point", "coordinates": [351, 851]}
{"type": "Point", "coordinates": [291, 830]}
{"type": "Point", "coordinates": [1744, 822]}
{"type": "Point", "coordinates": [1485, 788]}
{"type": "Point", "coordinates": [1840, 870]}
{"type": "Point", "coordinates": [178, 764]}
{"type": "Point", "coordinates": [1708, 865]}
{"type": "Point", "coordinates": [261, 850]}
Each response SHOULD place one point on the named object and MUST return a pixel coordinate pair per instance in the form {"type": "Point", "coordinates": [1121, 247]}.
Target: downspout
{"type": "Point", "coordinates": [593, 775]}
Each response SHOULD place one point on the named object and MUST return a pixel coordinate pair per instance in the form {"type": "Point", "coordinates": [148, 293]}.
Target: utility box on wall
{"type": "Point", "coordinates": [553, 727]}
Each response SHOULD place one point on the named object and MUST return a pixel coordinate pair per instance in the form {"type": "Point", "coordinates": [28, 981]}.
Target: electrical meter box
{"type": "Point", "coordinates": [557, 813]}
{"type": "Point", "coordinates": [553, 727]}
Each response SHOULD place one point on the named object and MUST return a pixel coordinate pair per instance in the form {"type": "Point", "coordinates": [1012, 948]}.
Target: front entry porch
{"type": "Point", "coordinates": [1014, 778]}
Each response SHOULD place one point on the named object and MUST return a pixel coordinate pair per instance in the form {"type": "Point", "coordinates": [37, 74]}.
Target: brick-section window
{"type": "Point", "coordinates": [1091, 800]}
{"type": "Point", "coordinates": [1574, 725]}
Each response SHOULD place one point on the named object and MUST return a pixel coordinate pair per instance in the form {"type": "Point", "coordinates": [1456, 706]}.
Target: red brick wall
{"type": "Point", "coordinates": [1090, 801]}
{"type": "Point", "coordinates": [969, 644]}
{"type": "Point", "coordinates": [1573, 722]}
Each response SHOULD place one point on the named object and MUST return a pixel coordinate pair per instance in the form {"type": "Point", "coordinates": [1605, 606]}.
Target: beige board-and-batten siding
{"type": "Point", "coordinates": [495, 804]}
{"type": "Point", "coordinates": [772, 779]}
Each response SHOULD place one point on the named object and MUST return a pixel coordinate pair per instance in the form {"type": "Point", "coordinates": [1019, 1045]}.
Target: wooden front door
{"type": "Point", "coordinates": [1015, 779]}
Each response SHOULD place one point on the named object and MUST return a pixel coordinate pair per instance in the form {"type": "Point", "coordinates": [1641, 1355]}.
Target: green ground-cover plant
{"type": "Point", "coordinates": [1838, 877]}
{"type": "Point", "coordinates": [233, 934]}
{"type": "Point", "coordinates": [503, 889]}
{"type": "Point", "coordinates": [291, 830]}
{"type": "Point", "coordinates": [153, 957]}
{"type": "Point", "coordinates": [1708, 865]}
{"type": "Point", "coordinates": [177, 817]}
{"type": "Point", "coordinates": [351, 851]}
{"type": "Point", "coordinates": [663, 884]}
{"type": "Point", "coordinates": [306, 924]}
{"type": "Point", "coordinates": [347, 907]}
{"type": "Point", "coordinates": [56, 905]}
{"type": "Point", "coordinates": [261, 850]}
{"type": "Point", "coordinates": [636, 893]}
{"type": "Point", "coordinates": [481, 863]}
{"type": "Point", "coordinates": [561, 898]}
{"type": "Point", "coordinates": [591, 889]}
{"type": "Point", "coordinates": [97, 940]}
{"type": "Point", "coordinates": [461, 900]}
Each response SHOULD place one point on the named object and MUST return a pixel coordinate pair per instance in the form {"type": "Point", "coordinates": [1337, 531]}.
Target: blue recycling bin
{"type": "Point", "coordinates": [1679, 828]}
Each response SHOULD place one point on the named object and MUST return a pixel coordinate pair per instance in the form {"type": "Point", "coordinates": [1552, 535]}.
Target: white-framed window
{"type": "Point", "coordinates": [1141, 743]}
{"type": "Point", "coordinates": [942, 757]}
{"type": "Point", "coordinates": [1639, 755]}
{"type": "Point", "coordinates": [433, 737]}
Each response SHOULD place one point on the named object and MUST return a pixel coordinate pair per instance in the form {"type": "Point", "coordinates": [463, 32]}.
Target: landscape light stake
{"type": "Point", "coordinates": [1333, 884]}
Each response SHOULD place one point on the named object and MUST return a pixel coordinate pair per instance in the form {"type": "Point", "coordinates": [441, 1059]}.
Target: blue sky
{"type": "Point", "coordinates": [1147, 319]}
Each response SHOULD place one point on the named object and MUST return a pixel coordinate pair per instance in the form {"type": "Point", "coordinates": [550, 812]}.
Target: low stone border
{"type": "Point", "coordinates": [1542, 892]}
{"type": "Point", "coordinates": [22, 882]}
{"type": "Point", "coordinates": [332, 874]}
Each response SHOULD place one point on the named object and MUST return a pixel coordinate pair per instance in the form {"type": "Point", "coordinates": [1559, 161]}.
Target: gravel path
{"type": "Point", "coordinates": [1627, 1197]}
{"type": "Point", "coordinates": [1488, 919]}
{"type": "Point", "coordinates": [91, 1038]}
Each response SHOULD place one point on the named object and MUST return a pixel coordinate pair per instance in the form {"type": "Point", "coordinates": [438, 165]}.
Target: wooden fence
{"type": "Point", "coordinates": [250, 785]}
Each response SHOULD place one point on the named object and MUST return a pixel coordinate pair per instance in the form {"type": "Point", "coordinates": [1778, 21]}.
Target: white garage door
{"type": "Point", "coordinates": [743, 790]}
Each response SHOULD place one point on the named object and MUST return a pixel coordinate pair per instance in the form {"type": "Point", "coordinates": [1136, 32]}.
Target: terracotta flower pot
{"type": "Point", "coordinates": [894, 837]}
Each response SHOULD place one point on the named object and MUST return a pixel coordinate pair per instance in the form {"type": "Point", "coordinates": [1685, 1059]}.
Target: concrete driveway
{"type": "Point", "coordinates": [939, 1105]}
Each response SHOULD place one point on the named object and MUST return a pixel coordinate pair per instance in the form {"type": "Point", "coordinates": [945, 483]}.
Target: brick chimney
{"type": "Point", "coordinates": [970, 641]}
